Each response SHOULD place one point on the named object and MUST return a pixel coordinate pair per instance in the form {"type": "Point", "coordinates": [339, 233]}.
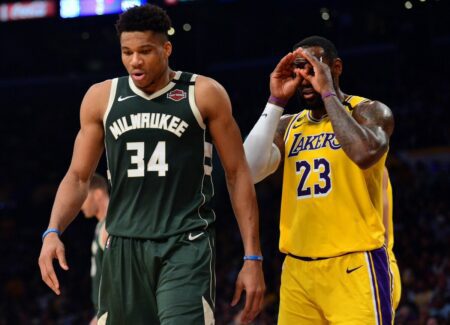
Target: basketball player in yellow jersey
{"type": "Point", "coordinates": [389, 237]}
{"type": "Point", "coordinates": [336, 269]}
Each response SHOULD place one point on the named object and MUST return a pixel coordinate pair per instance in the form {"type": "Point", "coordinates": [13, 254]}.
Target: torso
{"type": "Point", "coordinates": [330, 206]}
{"type": "Point", "coordinates": [159, 156]}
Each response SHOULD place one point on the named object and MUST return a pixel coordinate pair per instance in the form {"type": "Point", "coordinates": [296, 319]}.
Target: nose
{"type": "Point", "coordinates": [136, 60]}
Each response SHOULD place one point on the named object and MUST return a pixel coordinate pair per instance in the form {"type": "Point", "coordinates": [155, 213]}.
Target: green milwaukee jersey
{"type": "Point", "coordinates": [96, 263]}
{"type": "Point", "coordinates": [159, 155]}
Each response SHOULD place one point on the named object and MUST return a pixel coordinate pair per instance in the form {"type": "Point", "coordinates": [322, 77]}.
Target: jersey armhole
{"type": "Point", "coordinates": [112, 96]}
{"type": "Point", "coordinates": [193, 104]}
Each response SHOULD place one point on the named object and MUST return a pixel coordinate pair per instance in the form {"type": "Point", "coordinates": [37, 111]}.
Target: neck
{"type": "Point", "coordinates": [160, 82]}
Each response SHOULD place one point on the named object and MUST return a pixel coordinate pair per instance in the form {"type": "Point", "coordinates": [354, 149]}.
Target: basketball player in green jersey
{"type": "Point", "coordinates": [158, 126]}
{"type": "Point", "coordinates": [96, 205]}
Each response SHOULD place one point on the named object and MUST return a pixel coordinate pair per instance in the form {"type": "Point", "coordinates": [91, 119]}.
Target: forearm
{"type": "Point", "coordinates": [361, 144]}
{"type": "Point", "coordinates": [69, 198]}
{"type": "Point", "coordinates": [262, 156]}
{"type": "Point", "coordinates": [243, 200]}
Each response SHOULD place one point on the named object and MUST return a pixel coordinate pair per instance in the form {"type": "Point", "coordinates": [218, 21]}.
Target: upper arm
{"type": "Point", "coordinates": [215, 108]}
{"type": "Point", "coordinates": [280, 132]}
{"type": "Point", "coordinates": [88, 146]}
{"type": "Point", "coordinates": [378, 119]}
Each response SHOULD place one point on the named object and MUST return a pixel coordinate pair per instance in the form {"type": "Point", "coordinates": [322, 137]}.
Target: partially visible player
{"type": "Point", "coordinates": [96, 205]}
{"type": "Point", "coordinates": [389, 237]}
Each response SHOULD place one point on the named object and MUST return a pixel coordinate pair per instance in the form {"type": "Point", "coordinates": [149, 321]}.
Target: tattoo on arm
{"type": "Point", "coordinates": [365, 137]}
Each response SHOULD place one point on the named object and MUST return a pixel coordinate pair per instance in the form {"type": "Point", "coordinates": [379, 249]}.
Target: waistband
{"type": "Point", "coordinates": [311, 259]}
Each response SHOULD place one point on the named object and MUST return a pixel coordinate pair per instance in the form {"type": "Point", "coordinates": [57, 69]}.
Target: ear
{"type": "Point", "coordinates": [167, 48]}
{"type": "Point", "coordinates": [97, 194]}
{"type": "Point", "coordinates": [337, 67]}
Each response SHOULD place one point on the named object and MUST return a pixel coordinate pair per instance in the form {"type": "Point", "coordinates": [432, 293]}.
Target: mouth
{"type": "Point", "coordinates": [137, 75]}
{"type": "Point", "coordinates": [308, 93]}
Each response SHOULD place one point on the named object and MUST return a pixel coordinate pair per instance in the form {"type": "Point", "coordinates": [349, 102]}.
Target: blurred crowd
{"type": "Point", "coordinates": [398, 58]}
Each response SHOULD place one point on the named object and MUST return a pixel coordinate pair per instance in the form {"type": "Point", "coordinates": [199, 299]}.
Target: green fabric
{"type": "Point", "coordinates": [96, 264]}
{"type": "Point", "coordinates": [147, 203]}
{"type": "Point", "coordinates": [158, 282]}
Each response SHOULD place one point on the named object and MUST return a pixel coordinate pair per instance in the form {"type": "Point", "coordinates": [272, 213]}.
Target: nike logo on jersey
{"type": "Point", "coordinates": [295, 126]}
{"type": "Point", "coordinates": [121, 99]}
{"type": "Point", "coordinates": [190, 237]}
{"type": "Point", "coordinates": [354, 269]}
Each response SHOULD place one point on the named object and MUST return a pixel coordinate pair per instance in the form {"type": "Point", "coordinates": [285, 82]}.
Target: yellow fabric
{"type": "Point", "coordinates": [329, 205]}
{"type": "Point", "coordinates": [327, 294]}
{"type": "Point", "coordinates": [397, 285]}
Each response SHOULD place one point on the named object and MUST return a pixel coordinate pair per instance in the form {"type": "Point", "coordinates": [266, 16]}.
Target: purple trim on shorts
{"type": "Point", "coordinates": [374, 286]}
{"type": "Point", "coordinates": [380, 261]}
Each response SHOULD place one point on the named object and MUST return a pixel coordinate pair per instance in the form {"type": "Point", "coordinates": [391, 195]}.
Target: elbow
{"type": "Point", "coordinates": [367, 158]}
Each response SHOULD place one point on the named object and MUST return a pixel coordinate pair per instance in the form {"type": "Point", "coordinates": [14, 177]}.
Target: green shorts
{"type": "Point", "coordinates": [170, 281]}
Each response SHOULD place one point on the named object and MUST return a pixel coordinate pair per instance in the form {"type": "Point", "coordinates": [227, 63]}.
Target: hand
{"type": "Point", "coordinates": [285, 79]}
{"type": "Point", "coordinates": [52, 248]}
{"type": "Point", "coordinates": [321, 79]}
{"type": "Point", "coordinates": [250, 279]}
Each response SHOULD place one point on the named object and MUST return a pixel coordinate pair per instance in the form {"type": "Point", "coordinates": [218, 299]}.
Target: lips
{"type": "Point", "coordinates": [138, 75]}
{"type": "Point", "coordinates": [308, 93]}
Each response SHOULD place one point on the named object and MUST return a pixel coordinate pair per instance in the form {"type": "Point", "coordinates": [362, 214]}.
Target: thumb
{"type": "Point", "coordinates": [60, 254]}
{"type": "Point", "coordinates": [237, 294]}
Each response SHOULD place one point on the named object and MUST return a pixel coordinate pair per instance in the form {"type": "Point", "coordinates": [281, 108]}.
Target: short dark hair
{"type": "Point", "coordinates": [327, 45]}
{"type": "Point", "coordinates": [98, 182]}
{"type": "Point", "coordinates": [144, 18]}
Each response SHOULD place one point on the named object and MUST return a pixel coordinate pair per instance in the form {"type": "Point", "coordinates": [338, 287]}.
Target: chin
{"type": "Point", "coordinates": [311, 104]}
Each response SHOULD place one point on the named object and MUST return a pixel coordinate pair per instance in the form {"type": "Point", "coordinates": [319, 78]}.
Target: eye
{"type": "Point", "coordinates": [300, 63]}
{"type": "Point", "coordinates": [146, 51]}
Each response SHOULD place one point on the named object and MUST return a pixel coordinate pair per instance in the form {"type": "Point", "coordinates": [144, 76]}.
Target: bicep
{"type": "Point", "coordinates": [376, 118]}
{"type": "Point", "coordinates": [227, 139]}
{"type": "Point", "coordinates": [216, 107]}
{"type": "Point", "coordinates": [88, 146]}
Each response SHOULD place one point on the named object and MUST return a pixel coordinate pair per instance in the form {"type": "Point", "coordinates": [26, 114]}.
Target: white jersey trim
{"type": "Point", "coordinates": [158, 93]}
{"type": "Point", "coordinates": [208, 313]}
{"type": "Point", "coordinates": [193, 104]}
{"type": "Point", "coordinates": [112, 95]}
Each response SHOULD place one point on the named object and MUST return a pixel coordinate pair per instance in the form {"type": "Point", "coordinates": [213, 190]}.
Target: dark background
{"type": "Point", "coordinates": [398, 56]}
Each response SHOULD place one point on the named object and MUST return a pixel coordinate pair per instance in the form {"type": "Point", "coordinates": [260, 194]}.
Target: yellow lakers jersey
{"type": "Point", "coordinates": [330, 206]}
{"type": "Point", "coordinates": [390, 216]}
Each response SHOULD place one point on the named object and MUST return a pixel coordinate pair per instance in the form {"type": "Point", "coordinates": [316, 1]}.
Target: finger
{"type": "Point", "coordinates": [60, 254]}
{"type": "Point", "coordinates": [255, 308]}
{"type": "Point", "coordinates": [49, 277]}
{"type": "Point", "coordinates": [237, 295]}
{"type": "Point", "coordinates": [258, 302]}
{"type": "Point", "coordinates": [246, 313]}
{"type": "Point", "coordinates": [285, 62]}
{"type": "Point", "coordinates": [306, 74]}
{"type": "Point", "coordinates": [311, 58]}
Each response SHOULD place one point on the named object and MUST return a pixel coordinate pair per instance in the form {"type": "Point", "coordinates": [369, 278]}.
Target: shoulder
{"type": "Point", "coordinates": [211, 97]}
{"type": "Point", "coordinates": [206, 85]}
{"type": "Point", "coordinates": [96, 99]}
{"type": "Point", "coordinates": [101, 89]}
{"type": "Point", "coordinates": [373, 112]}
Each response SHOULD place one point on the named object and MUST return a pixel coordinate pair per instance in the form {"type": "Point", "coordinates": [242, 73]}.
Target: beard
{"type": "Point", "coordinates": [312, 104]}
